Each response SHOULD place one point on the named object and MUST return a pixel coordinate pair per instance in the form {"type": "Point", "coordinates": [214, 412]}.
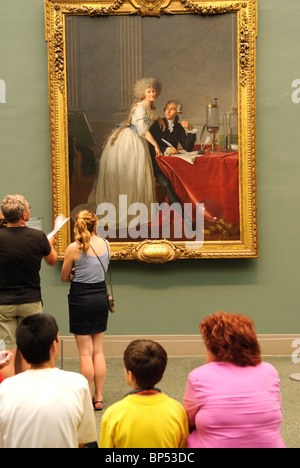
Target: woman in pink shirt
{"type": "Point", "coordinates": [233, 401]}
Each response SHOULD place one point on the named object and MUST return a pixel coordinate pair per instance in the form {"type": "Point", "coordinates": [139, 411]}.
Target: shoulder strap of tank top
{"type": "Point", "coordinates": [109, 268]}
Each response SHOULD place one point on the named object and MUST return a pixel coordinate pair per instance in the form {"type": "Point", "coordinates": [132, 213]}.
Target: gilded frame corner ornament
{"type": "Point", "coordinates": [163, 250]}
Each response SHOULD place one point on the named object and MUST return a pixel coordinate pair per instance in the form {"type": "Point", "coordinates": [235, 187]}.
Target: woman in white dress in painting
{"type": "Point", "coordinates": [125, 164]}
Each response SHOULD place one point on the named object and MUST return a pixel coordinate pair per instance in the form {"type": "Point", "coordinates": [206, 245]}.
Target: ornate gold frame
{"type": "Point", "coordinates": [158, 251]}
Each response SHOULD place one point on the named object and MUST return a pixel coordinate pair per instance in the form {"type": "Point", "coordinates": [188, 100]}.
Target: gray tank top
{"type": "Point", "coordinates": [88, 269]}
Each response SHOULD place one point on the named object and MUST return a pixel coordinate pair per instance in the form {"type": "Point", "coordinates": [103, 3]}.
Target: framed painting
{"type": "Point", "coordinates": [153, 125]}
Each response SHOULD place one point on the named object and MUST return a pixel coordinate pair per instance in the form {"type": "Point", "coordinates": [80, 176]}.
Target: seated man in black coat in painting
{"type": "Point", "coordinates": [174, 133]}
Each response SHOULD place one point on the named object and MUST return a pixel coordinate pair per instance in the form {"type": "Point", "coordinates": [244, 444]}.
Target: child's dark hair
{"type": "Point", "coordinates": [34, 335]}
{"type": "Point", "coordinates": [147, 360]}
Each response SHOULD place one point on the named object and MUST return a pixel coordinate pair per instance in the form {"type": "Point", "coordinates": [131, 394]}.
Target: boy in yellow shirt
{"type": "Point", "coordinates": [145, 417]}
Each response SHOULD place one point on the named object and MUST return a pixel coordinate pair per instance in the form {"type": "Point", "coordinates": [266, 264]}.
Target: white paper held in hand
{"type": "Point", "coordinates": [60, 220]}
{"type": "Point", "coordinates": [2, 351]}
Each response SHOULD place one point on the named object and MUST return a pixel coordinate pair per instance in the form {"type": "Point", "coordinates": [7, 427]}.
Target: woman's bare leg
{"type": "Point", "coordinates": [99, 367]}
{"type": "Point", "coordinates": [85, 348]}
{"type": "Point", "coordinates": [92, 363]}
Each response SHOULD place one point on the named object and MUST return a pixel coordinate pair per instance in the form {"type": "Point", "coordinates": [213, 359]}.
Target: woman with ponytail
{"type": "Point", "coordinates": [88, 299]}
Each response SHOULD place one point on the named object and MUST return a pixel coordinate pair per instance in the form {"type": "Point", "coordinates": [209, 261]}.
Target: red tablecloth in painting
{"type": "Point", "coordinates": [213, 177]}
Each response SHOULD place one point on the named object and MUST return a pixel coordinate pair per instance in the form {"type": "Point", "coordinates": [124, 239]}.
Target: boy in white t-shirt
{"type": "Point", "coordinates": [44, 407]}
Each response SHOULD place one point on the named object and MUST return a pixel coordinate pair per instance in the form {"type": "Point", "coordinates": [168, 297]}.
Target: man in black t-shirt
{"type": "Point", "coordinates": [21, 252]}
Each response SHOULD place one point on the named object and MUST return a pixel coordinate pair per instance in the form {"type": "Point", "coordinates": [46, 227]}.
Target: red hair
{"type": "Point", "coordinates": [231, 338]}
